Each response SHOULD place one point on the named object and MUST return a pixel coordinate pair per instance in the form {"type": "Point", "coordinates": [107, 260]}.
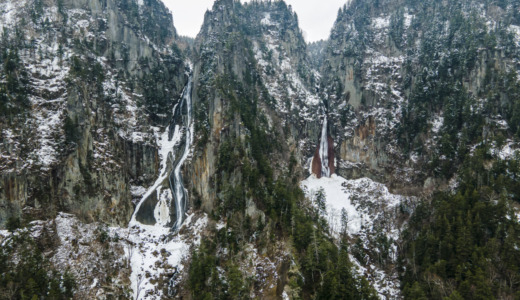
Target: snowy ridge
{"type": "Point", "coordinates": [278, 74]}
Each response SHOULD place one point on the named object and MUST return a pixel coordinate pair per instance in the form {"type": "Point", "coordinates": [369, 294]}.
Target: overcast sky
{"type": "Point", "coordinates": [316, 16]}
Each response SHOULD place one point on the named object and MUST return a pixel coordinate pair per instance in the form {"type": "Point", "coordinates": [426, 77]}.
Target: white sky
{"type": "Point", "coordinates": [316, 17]}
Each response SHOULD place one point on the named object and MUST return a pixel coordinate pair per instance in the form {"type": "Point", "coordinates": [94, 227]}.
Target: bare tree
{"type": "Point", "coordinates": [130, 253]}
{"type": "Point", "coordinates": [513, 278]}
{"type": "Point", "coordinates": [344, 221]}
{"type": "Point", "coordinates": [139, 286]}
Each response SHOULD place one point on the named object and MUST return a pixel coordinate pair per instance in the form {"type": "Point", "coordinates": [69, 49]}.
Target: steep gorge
{"type": "Point", "coordinates": [249, 173]}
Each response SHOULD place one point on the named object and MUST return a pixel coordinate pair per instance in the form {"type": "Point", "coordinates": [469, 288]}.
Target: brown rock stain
{"type": "Point", "coordinates": [316, 163]}
{"type": "Point", "coordinates": [367, 129]}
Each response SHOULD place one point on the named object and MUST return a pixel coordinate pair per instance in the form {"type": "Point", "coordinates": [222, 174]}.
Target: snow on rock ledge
{"type": "Point", "coordinates": [363, 199]}
{"type": "Point", "coordinates": [157, 255]}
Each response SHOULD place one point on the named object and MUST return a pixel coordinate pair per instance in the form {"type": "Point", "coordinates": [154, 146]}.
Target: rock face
{"type": "Point", "coordinates": [381, 67]}
{"type": "Point", "coordinates": [101, 80]}
{"type": "Point", "coordinates": [258, 36]}
{"type": "Point", "coordinates": [316, 163]}
{"type": "Point", "coordinates": [257, 117]}
{"type": "Point", "coordinates": [364, 148]}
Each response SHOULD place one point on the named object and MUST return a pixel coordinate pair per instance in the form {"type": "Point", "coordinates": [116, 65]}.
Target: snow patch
{"type": "Point", "coordinates": [83, 23]}
{"type": "Point", "coordinates": [137, 191]}
{"type": "Point", "coordinates": [381, 22]}
{"type": "Point", "coordinates": [349, 194]}
{"type": "Point", "coordinates": [509, 151]}
{"type": "Point", "coordinates": [437, 124]}
{"type": "Point", "coordinates": [369, 211]}
{"type": "Point", "coordinates": [387, 289]}
{"type": "Point", "coordinates": [48, 125]}
{"type": "Point", "coordinates": [408, 20]}
{"type": "Point", "coordinates": [266, 21]}
{"type": "Point", "coordinates": [151, 245]}
{"type": "Point", "coordinates": [285, 296]}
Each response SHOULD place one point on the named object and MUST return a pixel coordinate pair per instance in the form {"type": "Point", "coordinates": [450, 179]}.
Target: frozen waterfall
{"type": "Point", "coordinates": [176, 184]}
{"type": "Point", "coordinates": [324, 150]}
{"type": "Point", "coordinates": [155, 206]}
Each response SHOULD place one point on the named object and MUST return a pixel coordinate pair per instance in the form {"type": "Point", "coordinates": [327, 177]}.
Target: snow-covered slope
{"type": "Point", "coordinates": [157, 256]}
{"type": "Point", "coordinates": [369, 215]}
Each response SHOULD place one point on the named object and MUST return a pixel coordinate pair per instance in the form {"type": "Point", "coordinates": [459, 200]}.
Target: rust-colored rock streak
{"type": "Point", "coordinates": [331, 155]}
{"type": "Point", "coordinates": [316, 163]}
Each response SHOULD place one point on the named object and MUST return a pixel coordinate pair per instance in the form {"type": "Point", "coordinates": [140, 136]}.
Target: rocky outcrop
{"type": "Point", "coordinates": [366, 151]}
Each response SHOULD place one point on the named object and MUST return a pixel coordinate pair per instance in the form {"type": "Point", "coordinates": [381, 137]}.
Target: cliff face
{"type": "Point", "coordinates": [98, 77]}
{"type": "Point", "coordinates": [257, 120]}
{"type": "Point", "coordinates": [260, 45]}
{"type": "Point", "coordinates": [388, 69]}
